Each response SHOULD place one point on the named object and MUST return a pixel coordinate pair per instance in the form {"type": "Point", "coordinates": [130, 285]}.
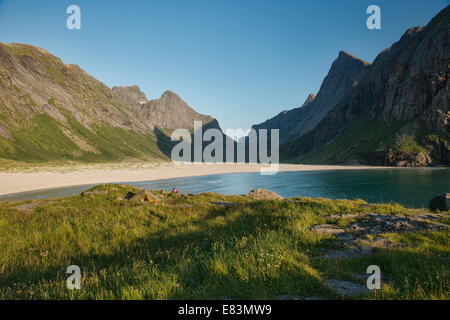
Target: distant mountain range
{"type": "Point", "coordinates": [392, 112]}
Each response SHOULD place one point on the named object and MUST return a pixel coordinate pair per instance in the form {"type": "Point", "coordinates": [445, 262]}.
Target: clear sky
{"type": "Point", "coordinates": [241, 61]}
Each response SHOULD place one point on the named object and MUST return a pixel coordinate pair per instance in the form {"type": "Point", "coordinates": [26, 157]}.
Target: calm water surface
{"type": "Point", "coordinates": [410, 187]}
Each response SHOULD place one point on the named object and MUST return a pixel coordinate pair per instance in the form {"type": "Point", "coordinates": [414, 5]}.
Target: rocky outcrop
{"type": "Point", "coordinates": [440, 202]}
{"type": "Point", "coordinates": [142, 196]}
{"type": "Point", "coordinates": [396, 159]}
{"type": "Point", "coordinates": [264, 194]}
{"type": "Point", "coordinates": [346, 288]}
{"type": "Point", "coordinates": [366, 234]}
{"type": "Point", "coordinates": [132, 95]}
{"type": "Point", "coordinates": [406, 87]}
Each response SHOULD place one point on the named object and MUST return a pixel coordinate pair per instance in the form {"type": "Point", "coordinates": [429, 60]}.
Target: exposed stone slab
{"type": "Point", "coordinates": [346, 288]}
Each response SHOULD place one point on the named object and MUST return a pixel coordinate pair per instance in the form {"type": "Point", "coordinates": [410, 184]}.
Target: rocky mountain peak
{"type": "Point", "coordinates": [172, 112]}
{"type": "Point", "coordinates": [130, 94]}
{"type": "Point", "coordinates": [345, 71]}
{"type": "Point", "coordinates": [170, 94]}
{"type": "Point", "coordinates": [349, 58]}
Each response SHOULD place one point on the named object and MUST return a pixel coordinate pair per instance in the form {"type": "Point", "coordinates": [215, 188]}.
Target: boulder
{"type": "Point", "coordinates": [440, 202]}
{"type": "Point", "coordinates": [141, 196]}
{"type": "Point", "coordinates": [264, 194]}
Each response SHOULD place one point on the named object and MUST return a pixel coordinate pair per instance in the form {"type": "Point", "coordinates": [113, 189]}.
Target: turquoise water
{"type": "Point", "coordinates": [409, 187]}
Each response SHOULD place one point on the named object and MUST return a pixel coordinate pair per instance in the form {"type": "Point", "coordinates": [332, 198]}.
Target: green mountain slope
{"type": "Point", "coordinates": [50, 111]}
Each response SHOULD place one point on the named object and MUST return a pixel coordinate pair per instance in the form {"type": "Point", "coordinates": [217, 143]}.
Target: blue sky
{"type": "Point", "coordinates": [239, 61]}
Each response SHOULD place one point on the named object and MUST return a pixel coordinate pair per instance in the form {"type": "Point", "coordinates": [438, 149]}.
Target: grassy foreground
{"type": "Point", "coordinates": [202, 247]}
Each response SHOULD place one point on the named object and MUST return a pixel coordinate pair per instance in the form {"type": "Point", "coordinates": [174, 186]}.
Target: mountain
{"type": "Point", "coordinates": [51, 111]}
{"type": "Point", "coordinates": [132, 95]}
{"type": "Point", "coordinates": [395, 113]}
{"type": "Point", "coordinates": [345, 73]}
{"type": "Point", "coordinates": [171, 112]}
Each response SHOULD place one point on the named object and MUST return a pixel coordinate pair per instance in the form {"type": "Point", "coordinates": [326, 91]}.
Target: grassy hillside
{"type": "Point", "coordinates": [364, 139]}
{"type": "Point", "coordinates": [205, 246]}
{"type": "Point", "coordinates": [56, 112]}
{"type": "Point", "coordinates": [45, 141]}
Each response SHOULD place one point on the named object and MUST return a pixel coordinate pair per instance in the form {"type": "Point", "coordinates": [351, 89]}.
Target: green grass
{"type": "Point", "coordinates": [186, 248]}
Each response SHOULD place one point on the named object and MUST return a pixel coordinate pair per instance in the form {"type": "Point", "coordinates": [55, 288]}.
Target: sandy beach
{"type": "Point", "coordinates": [16, 182]}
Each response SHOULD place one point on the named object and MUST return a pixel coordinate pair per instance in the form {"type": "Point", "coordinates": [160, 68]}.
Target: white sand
{"type": "Point", "coordinates": [15, 182]}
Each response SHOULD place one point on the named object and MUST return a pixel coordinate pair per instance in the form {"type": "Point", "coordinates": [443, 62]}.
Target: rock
{"type": "Point", "coordinates": [131, 94]}
{"type": "Point", "coordinates": [307, 298]}
{"type": "Point", "coordinates": [383, 242]}
{"type": "Point", "coordinates": [327, 228]}
{"type": "Point", "coordinates": [440, 202]}
{"type": "Point", "coordinates": [345, 237]}
{"type": "Point", "coordinates": [93, 192]}
{"type": "Point", "coordinates": [356, 228]}
{"type": "Point", "coordinates": [346, 288]}
{"type": "Point", "coordinates": [28, 206]}
{"type": "Point", "coordinates": [341, 254]}
{"type": "Point", "coordinates": [437, 227]}
{"type": "Point", "coordinates": [424, 217]}
{"type": "Point", "coordinates": [344, 216]}
{"type": "Point", "coordinates": [264, 194]}
{"type": "Point", "coordinates": [141, 196]}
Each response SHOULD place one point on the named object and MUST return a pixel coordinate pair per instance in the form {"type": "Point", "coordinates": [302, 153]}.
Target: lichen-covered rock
{"type": "Point", "coordinates": [264, 194]}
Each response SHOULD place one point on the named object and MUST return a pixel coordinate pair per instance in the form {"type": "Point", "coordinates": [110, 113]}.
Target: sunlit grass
{"type": "Point", "coordinates": [184, 247]}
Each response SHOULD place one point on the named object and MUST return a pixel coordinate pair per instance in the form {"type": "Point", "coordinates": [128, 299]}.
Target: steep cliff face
{"type": "Point", "coordinates": [287, 120]}
{"type": "Point", "coordinates": [344, 74]}
{"type": "Point", "coordinates": [398, 113]}
{"type": "Point", "coordinates": [51, 111]}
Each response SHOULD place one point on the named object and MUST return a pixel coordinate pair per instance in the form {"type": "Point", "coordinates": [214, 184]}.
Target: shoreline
{"type": "Point", "coordinates": [19, 182]}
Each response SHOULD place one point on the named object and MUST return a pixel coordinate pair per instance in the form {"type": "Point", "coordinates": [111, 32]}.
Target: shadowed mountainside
{"type": "Point", "coordinates": [399, 112]}
{"type": "Point", "coordinates": [344, 74]}
{"type": "Point", "coordinates": [392, 112]}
